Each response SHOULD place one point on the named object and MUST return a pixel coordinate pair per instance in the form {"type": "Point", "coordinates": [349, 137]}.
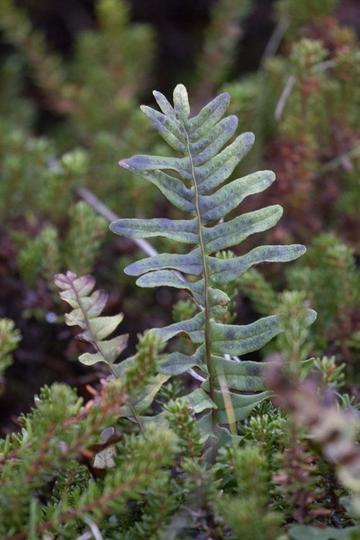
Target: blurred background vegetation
{"type": "Point", "coordinates": [72, 76]}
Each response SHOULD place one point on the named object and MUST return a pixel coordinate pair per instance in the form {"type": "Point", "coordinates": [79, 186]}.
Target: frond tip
{"type": "Point", "coordinates": [207, 156]}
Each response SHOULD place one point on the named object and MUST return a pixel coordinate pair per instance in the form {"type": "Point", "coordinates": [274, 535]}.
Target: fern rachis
{"type": "Point", "coordinates": [205, 270]}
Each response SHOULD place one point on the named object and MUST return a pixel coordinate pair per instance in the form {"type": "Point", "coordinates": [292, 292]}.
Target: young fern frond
{"type": "Point", "coordinates": [87, 306]}
{"type": "Point", "coordinates": [190, 182]}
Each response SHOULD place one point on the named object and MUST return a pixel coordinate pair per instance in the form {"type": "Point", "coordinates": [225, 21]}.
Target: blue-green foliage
{"type": "Point", "coordinates": [190, 181]}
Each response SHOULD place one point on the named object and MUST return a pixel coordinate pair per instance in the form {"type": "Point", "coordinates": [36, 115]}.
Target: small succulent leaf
{"type": "Point", "coordinates": [227, 198]}
{"type": "Point", "coordinates": [102, 327]}
{"type": "Point", "coordinates": [168, 128]}
{"type": "Point", "coordinates": [238, 229]}
{"type": "Point", "coordinates": [208, 116]}
{"type": "Point", "coordinates": [210, 146]}
{"type": "Point", "coordinates": [233, 153]}
{"type": "Point", "coordinates": [177, 363]}
{"type": "Point", "coordinates": [173, 189]}
{"type": "Point", "coordinates": [199, 401]}
{"type": "Point", "coordinates": [239, 340]}
{"type": "Point", "coordinates": [164, 104]}
{"type": "Point", "coordinates": [242, 404]}
{"type": "Point", "coordinates": [188, 264]}
{"type": "Point", "coordinates": [181, 102]}
{"type": "Point", "coordinates": [224, 270]}
{"type": "Point", "coordinates": [244, 376]}
{"type": "Point", "coordinates": [188, 327]}
{"type": "Point", "coordinates": [180, 230]}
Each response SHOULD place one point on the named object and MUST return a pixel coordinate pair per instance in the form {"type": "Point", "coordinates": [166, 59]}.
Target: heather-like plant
{"type": "Point", "coordinates": [84, 239]}
{"type": "Point", "coordinates": [250, 498]}
{"type": "Point", "coordinates": [332, 428]}
{"type": "Point", "coordinates": [304, 127]}
{"type": "Point", "coordinates": [220, 41]}
{"type": "Point", "coordinates": [43, 473]}
{"type": "Point", "coordinates": [91, 89]}
{"type": "Point", "coordinates": [190, 181]}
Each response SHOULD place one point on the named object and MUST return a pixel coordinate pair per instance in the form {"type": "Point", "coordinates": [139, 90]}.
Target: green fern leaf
{"type": "Point", "coordinates": [207, 156]}
{"type": "Point", "coordinates": [87, 305]}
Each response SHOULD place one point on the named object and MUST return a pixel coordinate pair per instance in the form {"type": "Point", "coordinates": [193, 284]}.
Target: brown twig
{"type": "Point", "coordinates": [104, 211]}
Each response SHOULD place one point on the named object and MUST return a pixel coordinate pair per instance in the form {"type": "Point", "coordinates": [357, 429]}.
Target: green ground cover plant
{"type": "Point", "coordinates": [143, 458]}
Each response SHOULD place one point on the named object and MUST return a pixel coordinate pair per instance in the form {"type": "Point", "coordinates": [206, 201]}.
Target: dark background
{"type": "Point", "coordinates": [179, 27]}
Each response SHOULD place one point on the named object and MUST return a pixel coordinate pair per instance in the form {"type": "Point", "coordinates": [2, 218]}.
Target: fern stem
{"type": "Point", "coordinates": [207, 335]}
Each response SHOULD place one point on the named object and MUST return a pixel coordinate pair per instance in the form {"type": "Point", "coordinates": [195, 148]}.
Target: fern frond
{"type": "Point", "coordinates": [87, 306]}
{"type": "Point", "coordinates": [207, 157]}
